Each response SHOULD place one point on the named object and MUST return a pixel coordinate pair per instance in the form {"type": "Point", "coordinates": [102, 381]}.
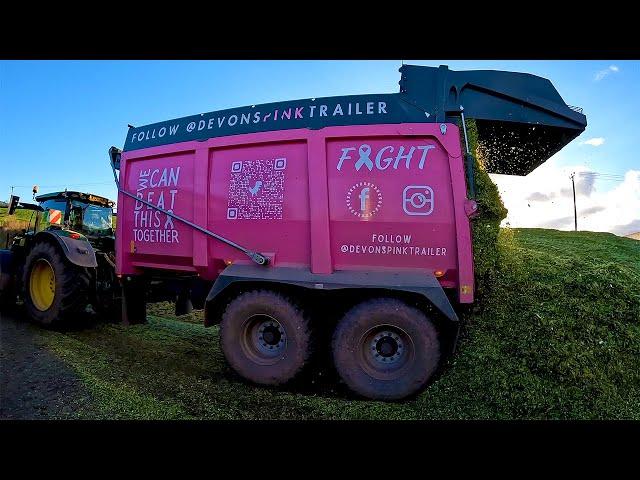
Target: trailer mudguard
{"type": "Point", "coordinates": [77, 251]}
{"type": "Point", "coordinates": [424, 284]}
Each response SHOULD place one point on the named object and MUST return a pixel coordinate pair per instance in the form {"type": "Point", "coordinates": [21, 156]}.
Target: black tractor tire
{"type": "Point", "coordinates": [383, 349]}
{"type": "Point", "coordinates": [7, 284]}
{"type": "Point", "coordinates": [70, 289]}
{"type": "Point", "coordinates": [265, 337]}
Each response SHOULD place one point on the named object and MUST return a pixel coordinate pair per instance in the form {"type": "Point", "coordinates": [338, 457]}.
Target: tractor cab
{"type": "Point", "coordinates": [88, 214]}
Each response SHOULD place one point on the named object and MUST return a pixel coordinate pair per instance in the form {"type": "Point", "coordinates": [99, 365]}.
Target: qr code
{"type": "Point", "coordinates": [256, 189]}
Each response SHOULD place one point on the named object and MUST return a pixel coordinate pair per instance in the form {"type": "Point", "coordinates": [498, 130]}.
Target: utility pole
{"type": "Point", "coordinates": [575, 213]}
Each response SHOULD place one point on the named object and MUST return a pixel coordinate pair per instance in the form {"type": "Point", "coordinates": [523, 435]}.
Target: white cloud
{"type": "Point", "coordinates": [544, 198]}
{"type": "Point", "coordinates": [594, 142]}
{"type": "Point", "coordinates": [603, 73]}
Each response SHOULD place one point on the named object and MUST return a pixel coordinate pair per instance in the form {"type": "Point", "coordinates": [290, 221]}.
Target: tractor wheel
{"type": "Point", "coordinates": [265, 338]}
{"type": "Point", "coordinates": [55, 290]}
{"type": "Point", "coordinates": [7, 287]}
{"type": "Point", "coordinates": [384, 349]}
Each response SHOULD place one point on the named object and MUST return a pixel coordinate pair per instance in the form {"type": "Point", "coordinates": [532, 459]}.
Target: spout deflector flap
{"type": "Point", "coordinates": [521, 118]}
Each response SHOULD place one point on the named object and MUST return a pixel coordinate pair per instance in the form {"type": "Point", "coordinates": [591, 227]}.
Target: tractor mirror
{"type": "Point", "coordinates": [114, 156]}
{"type": "Point", "coordinates": [13, 204]}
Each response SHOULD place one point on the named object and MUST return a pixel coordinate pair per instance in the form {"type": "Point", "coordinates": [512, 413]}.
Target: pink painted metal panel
{"type": "Point", "coordinates": [391, 203]}
{"type": "Point", "coordinates": [319, 205]}
{"type": "Point", "coordinates": [259, 198]}
{"type": "Point", "coordinates": [369, 197]}
{"type": "Point", "coordinates": [200, 203]}
{"type": "Point", "coordinates": [166, 181]}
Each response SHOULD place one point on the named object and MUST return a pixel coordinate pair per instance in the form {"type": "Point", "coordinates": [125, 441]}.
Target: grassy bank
{"type": "Point", "coordinates": [558, 336]}
{"type": "Point", "coordinates": [12, 224]}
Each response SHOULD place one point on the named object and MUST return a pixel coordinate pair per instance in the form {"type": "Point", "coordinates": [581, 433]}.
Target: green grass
{"type": "Point", "coordinates": [556, 336]}
{"type": "Point", "coordinates": [19, 214]}
{"type": "Point", "coordinates": [12, 224]}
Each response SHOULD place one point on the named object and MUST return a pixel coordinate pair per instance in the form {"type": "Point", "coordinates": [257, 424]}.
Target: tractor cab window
{"type": "Point", "coordinates": [92, 219]}
{"type": "Point", "coordinates": [53, 214]}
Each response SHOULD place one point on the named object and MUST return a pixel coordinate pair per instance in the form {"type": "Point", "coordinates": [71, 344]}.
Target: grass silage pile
{"type": "Point", "coordinates": [489, 241]}
{"type": "Point", "coordinates": [555, 331]}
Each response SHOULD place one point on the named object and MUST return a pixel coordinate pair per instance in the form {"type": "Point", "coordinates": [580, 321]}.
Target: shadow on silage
{"type": "Point", "coordinates": [488, 241]}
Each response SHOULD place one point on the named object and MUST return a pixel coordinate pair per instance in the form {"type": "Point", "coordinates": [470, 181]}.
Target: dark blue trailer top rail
{"type": "Point", "coordinates": [521, 119]}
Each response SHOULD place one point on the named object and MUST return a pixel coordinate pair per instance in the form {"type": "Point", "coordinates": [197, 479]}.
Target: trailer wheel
{"type": "Point", "coordinates": [55, 290]}
{"type": "Point", "coordinates": [384, 349]}
{"type": "Point", "coordinates": [265, 338]}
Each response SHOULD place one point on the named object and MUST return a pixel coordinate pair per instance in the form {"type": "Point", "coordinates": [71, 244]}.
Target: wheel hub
{"type": "Point", "coordinates": [386, 347]}
{"type": "Point", "coordinates": [42, 285]}
{"type": "Point", "coordinates": [271, 337]}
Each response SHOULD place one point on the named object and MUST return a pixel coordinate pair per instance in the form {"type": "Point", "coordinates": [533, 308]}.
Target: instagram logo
{"type": "Point", "coordinates": [417, 200]}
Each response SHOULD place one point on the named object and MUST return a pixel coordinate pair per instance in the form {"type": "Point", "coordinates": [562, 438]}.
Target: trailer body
{"type": "Point", "coordinates": [368, 195]}
{"type": "Point", "coordinates": [382, 198]}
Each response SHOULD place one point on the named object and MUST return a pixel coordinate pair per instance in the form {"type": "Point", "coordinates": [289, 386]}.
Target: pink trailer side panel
{"type": "Point", "coordinates": [259, 198]}
{"type": "Point", "coordinates": [376, 197]}
{"type": "Point", "coordinates": [168, 182]}
{"type": "Point", "coordinates": [391, 204]}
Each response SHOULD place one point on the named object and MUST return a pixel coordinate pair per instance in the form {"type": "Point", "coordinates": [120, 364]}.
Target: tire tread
{"type": "Point", "coordinates": [72, 286]}
{"type": "Point", "coordinates": [359, 314]}
{"type": "Point", "coordinates": [304, 353]}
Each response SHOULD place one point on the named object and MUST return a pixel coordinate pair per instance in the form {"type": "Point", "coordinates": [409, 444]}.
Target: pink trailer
{"type": "Point", "coordinates": [349, 215]}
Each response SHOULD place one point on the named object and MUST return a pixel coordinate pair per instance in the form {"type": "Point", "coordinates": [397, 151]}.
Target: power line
{"type": "Point", "coordinates": [595, 176]}
{"type": "Point", "coordinates": [602, 176]}
{"type": "Point", "coordinates": [605, 177]}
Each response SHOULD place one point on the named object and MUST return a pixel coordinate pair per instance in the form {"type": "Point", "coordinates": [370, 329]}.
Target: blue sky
{"type": "Point", "coordinates": [58, 118]}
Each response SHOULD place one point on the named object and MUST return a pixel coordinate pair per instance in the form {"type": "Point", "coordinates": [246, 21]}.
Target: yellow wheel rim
{"type": "Point", "coordinates": [42, 285]}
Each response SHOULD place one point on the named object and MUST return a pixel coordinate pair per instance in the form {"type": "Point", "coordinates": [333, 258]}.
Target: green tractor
{"type": "Point", "coordinates": [63, 265]}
